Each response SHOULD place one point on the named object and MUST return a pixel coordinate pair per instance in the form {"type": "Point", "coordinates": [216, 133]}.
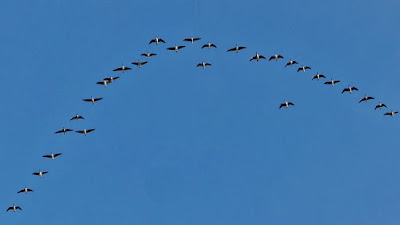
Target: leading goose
{"type": "Point", "coordinates": [84, 131]}
{"type": "Point", "coordinates": [236, 49]}
{"type": "Point", "coordinates": [203, 64]}
{"type": "Point", "coordinates": [366, 99]}
{"type": "Point", "coordinates": [77, 117]}
{"type": "Point", "coordinates": [63, 131]}
{"type": "Point", "coordinates": [332, 82]}
{"type": "Point", "coordinates": [40, 173]}
{"type": "Point", "coordinates": [208, 45]}
{"type": "Point", "coordinates": [148, 55]}
{"type": "Point", "coordinates": [14, 208]}
{"type": "Point", "coordinates": [26, 190]}
{"type": "Point", "coordinates": [303, 68]}
{"type": "Point", "coordinates": [139, 63]}
{"type": "Point", "coordinates": [291, 63]}
{"type": "Point", "coordinates": [349, 89]}
{"type": "Point", "coordinates": [380, 105]}
{"type": "Point", "coordinates": [257, 57]}
{"type": "Point", "coordinates": [92, 100]}
{"type": "Point", "coordinates": [157, 40]}
{"type": "Point", "coordinates": [52, 156]}
{"type": "Point", "coordinates": [318, 76]}
{"type": "Point", "coordinates": [391, 113]}
{"type": "Point", "coordinates": [285, 104]}
{"type": "Point", "coordinates": [176, 48]}
{"type": "Point", "coordinates": [122, 68]}
{"type": "Point", "coordinates": [191, 39]}
{"type": "Point", "coordinates": [276, 57]}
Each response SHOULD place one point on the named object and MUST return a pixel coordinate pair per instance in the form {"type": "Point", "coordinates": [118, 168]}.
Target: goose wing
{"type": "Point", "coordinates": [279, 56]}
{"type": "Point", "coordinates": [262, 57]}
{"type": "Point", "coordinates": [18, 208]}
{"type": "Point", "coordinates": [252, 58]}
{"type": "Point", "coordinates": [135, 63]}
{"type": "Point", "coordinates": [388, 114]}
{"type": "Point", "coordinates": [29, 190]}
{"type": "Point", "coordinates": [23, 190]}
{"type": "Point", "coordinates": [271, 58]}
{"type": "Point", "coordinates": [108, 78]}
{"type": "Point", "coordinates": [153, 54]}
{"type": "Point", "coordinates": [212, 45]}
{"type": "Point", "coordinates": [336, 81]}
{"type": "Point", "coordinates": [79, 131]}
{"type": "Point", "coordinates": [314, 77]}
{"type": "Point", "coordinates": [118, 69]}
{"type": "Point", "coordinates": [208, 64]}
{"type": "Point", "coordinates": [383, 105]}
{"type": "Point", "coordinates": [200, 64]}
{"type": "Point", "coordinates": [152, 41]}
{"type": "Point", "coordinates": [294, 62]}
{"type": "Point", "coordinates": [89, 130]}
{"type": "Point", "coordinates": [204, 46]}
{"type": "Point", "coordinates": [289, 103]}
{"type": "Point", "coordinates": [101, 82]}
{"type": "Point", "coordinates": [55, 155]}
{"type": "Point", "coordinates": [47, 156]}
{"type": "Point", "coordinates": [346, 89]}
{"type": "Point", "coordinates": [171, 48]}
{"type": "Point", "coordinates": [196, 39]}
{"type": "Point", "coordinates": [144, 62]}
{"type": "Point", "coordinates": [9, 208]}
{"type": "Point", "coordinates": [181, 46]}
{"type": "Point", "coordinates": [87, 100]}
{"type": "Point", "coordinates": [354, 88]}
{"type": "Point", "coordinates": [328, 82]}
{"type": "Point", "coordinates": [97, 99]}
{"type": "Point", "coordinates": [370, 98]}
{"type": "Point", "coordinates": [144, 54]}
{"type": "Point", "coordinates": [287, 64]}
{"type": "Point", "coordinates": [307, 67]}
{"type": "Point", "coordinates": [361, 100]}
{"type": "Point", "coordinates": [240, 48]}
{"type": "Point", "coordinates": [161, 40]}
{"type": "Point", "coordinates": [59, 131]}
{"type": "Point", "coordinates": [44, 172]}
{"type": "Point", "coordinates": [231, 49]}
{"type": "Point", "coordinates": [299, 69]}
{"type": "Point", "coordinates": [282, 105]}
{"type": "Point", "coordinates": [35, 173]}
{"type": "Point", "coordinates": [321, 76]}
{"type": "Point", "coordinates": [188, 39]}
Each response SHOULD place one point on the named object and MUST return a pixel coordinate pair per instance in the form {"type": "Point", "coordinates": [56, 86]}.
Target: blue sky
{"type": "Point", "coordinates": [175, 144]}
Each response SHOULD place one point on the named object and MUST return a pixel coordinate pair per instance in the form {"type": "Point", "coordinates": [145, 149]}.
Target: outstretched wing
{"type": "Point", "coordinates": [282, 105]}
{"type": "Point", "coordinates": [182, 46]}
{"type": "Point", "coordinates": [161, 40]}
{"type": "Point", "coordinates": [79, 131]}
{"type": "Point", "coordinates": [231, 49]}
{"type": "Point", "coordinates": [87, 100]}
{"type": "Point", "coordinates": [97, 99]}
{"type": "Point", "coordinates": [47, 156]}
{"type": "Point", "coordinates": [55, 155]}
{"type": "Point", "coordinates": [89, 130]}
{"type": "Point", "coordinates": [212, 45]}
{"type": "Point", "coordinates": [118, 69]}
{"type": "Point", "coordinates": [271, 58]}
{"type": "Point", "coordinates": [152, 41]}
{"type": "Point", "coordinates": [171, 48]}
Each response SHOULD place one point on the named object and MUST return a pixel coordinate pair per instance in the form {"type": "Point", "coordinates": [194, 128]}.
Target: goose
{"type": "Point", "coordinates": [285, 104]}
{"type": "Point", "coordinates": [139, 64]}
{"type": "Point", "coordinates": [303, 68]}
{"type": "Point", "coordinates": [40, 173]}
{"type": "Point", "coordinates": [349, 89]}
{"type": "Point", "coordinates": [191, 39]}
{"type": "Point", "coordinates": [276, 57]}
{"type": "Point", "coordinates": [236, 49]}
{"type": "Point", "coordinates": [380, 105]}
{"type": "Point", "coordinates": [332, 82]}
{"type": "Point", "coordinates": [84, 131]}
{"type": "Point", "coordinates": [365, 99]}
{"type": "Point", "coordinates": [122, 68]}
{"type": "Point", "coordinates": [209, 45]}
{"type": "Point", "coordinates": [63, 131]}
{"type": "Point", "coordinates": [14, 208]}
{"type": "Point", "coordinates": [257, 57]}
{"type": "Point", "coordinates": [203, 64]}
{"type": "Point", "coordinates": [391, 113]}
{"type": "Point", "coordinates": [104, 83]}
{"type": "Point", "coordinates": [111, 79]}
{"type": "Point", "coordinates": [92, 100]}
{"type": "Point", "coordinates": [26, 190]}
{"type": "Point", "coordinates": [77, 117]}
{"type": "Point", "coordinates": [148, 55]}
{"type": "Point", "coordinates": [318, 76]}
{"type": "Point", "coordinates": [176, 48]}
{"type": "Point", "coordinates": [52, 156]}
{"type": "Point", "coordinates": [291, 63]}
{"type": "Point", "coordinates": [157, 40]}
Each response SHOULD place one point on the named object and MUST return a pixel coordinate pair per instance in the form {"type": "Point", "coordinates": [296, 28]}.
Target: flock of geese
{"type": "Point", "coordinates": [176, 48]}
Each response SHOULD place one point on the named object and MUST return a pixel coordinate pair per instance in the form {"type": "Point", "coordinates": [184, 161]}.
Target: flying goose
{"type": "Point", "coordinates": [276, 57]}
{"type": "Point", "coordinates": [236, 49]}
{"type": "Point", "coordinates": [148, 55]}
{"type": "Point", "coordinates": [257, 57]}
{"type": "Point", "coordinates": [332, 82]}
{"type": "Point", "coordinates": [84, 131]}
{"type": "Point", "coordinates": [176, 48]}
{"type": "Point", "coordinates": [191, 39]}
{"type": "Point", "coordinates": [380, 105]}
{"type": "Point", "coordinates": [77, 117]}
{"type": "Point", "coordinates": [122, 68]}
{"type": "Point", "coordinates": [40, 173]}
{"type": "Point", "coordinates": [303, 68]}
{"type": "Point", "coordinates": [92, 100]}
{"type": "Point", "coordinates": [349, 89]}
{"type": "Point", "coordinates": [285, 104]}
{"type": "Point", "coordinates": [391, 113]}
{"type": "Point", "coordinates": [203, 64]}
{"type": "Point", "coordinates": [318, 76]}
{"type": "Point", "coordinates": [26, 190]}
{"type": "Point", "coordinates": [111, 79]}
{"type": "Point", "coordinates": [14, 208]}
{"type": "Point", "coordinates": [291, 63]}
{"type": "Point", "coordinates": [63, 131]}
{"type": "Point", "coordinates": [139, 63]}
{"type": "Point", "coordinates": [52, 156]}
{"type": "Point", "coordinates": [365, 99]}
{"type": "Point", "coordinates": [209, 45]}
{"type": "Point", "coordinates": [157, 40]}
{"type": "Point", "coordinates": [104, 83]}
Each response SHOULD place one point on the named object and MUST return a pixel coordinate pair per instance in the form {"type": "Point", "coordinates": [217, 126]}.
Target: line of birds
{"type": "Point", "coordinates": [203, 64]}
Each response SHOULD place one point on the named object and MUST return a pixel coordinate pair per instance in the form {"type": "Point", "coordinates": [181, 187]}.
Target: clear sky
{"type": "Point", "coordinates": [178, 145]}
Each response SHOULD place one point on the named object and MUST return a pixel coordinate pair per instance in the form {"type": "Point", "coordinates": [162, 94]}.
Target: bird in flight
{"type": "Point", "coordinates": [77, 117]}
{"type": "Point", "coordinates": [14, 208]}
{"type": "Point", "coordinates": [365, 98]}
{"type": "Point", "coordinates": [303, 68]}
{"type": "Point", "coordinates": [286, 104]}
{"type": "Point", "coordinates": [276, 57]}
{"type": "Point", "coordinates": [92, 100]}
{"type": "Point", "coordinates": [380, 105]}
{"type": "Point", "coordinates": [350, 89]}
{"type": "Point", "coordinates": [84, 131]}
{"type": "Point", "coordinates": [139, 63]}
{"type": "Point", "coordinates": [148, 55]}
{"type": "Point", "coordinates": [122, 68]}
{"type": "Point", "coordinates": [63, 131]}
{"type": "Point", "coordinates": [40, 173]}
{"type": "Point", "coordinates": [103, 82]}
{"type": "Point", "coordinates": [391, 113]}
{"type": "Point", "coordinates": [236, 49]}
{"type": "Point", "coordinates": [257, 57]}
{"type": "Point", "coordinates": [176, 48]}
{"type": "Point", "coordinates": [291, 63]}
{"type": "Point", "coordinates": [203, 64]}
{"type": "Point", "coordinates": [157, 40]}
{"type": "Point", "coordinates": [191, 39]}
{"type": "Point", "coordinates": [209, 45]}
{"type": "Point", "coordinates": [332, 82]}
{"type": "Point", "coordinates": [26, 190]}
{"type": "Point", "coordinates": [318, 76]}
{"type": "Point", "coordinates": [52, 156]}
